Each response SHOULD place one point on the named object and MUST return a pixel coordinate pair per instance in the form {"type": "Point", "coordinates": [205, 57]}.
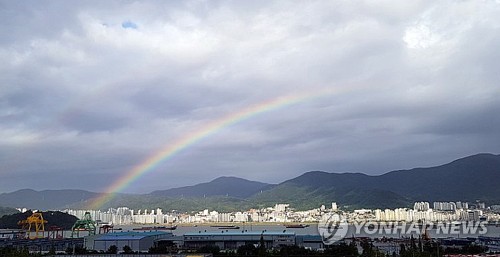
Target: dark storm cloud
{"type": "Point", "coordinates": [90, 89]}
{"type": "Point", "coordinates": [479, 120]}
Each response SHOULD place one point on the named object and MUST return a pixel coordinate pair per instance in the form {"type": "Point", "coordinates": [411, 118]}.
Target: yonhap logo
{"type": "Point", "coordinates": [331, 229]}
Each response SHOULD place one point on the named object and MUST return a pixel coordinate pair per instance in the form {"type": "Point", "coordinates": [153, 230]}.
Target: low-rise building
{"type": "Point", "coordinates": [233, 240]}
{"type": "Point", "coordinates": [313, 242]}
{"type": "Point", "coordinates": [137, 241]}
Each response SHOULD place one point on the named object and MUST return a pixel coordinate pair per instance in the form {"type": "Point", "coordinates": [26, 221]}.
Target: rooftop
{"type": "Point", "coordinates": [311, 237]}
{"type": "Point", "coordinates": [246, 233]}
{"type": "Point", "coordinates": [130, 235]}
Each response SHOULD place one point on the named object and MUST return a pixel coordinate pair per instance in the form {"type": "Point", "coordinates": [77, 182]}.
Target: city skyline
{"type": "Point", "coordinates": [283, 212]}
{"type": "Point", "coordinates": [139, 96]}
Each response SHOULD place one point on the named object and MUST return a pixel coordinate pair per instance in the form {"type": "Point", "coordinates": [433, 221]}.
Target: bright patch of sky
{"type": "Point", "coordinates": [129, 25]}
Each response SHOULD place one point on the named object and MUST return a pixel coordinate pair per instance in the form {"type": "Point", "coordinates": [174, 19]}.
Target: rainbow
{"type": "Point", "coordinates": [171, 149]}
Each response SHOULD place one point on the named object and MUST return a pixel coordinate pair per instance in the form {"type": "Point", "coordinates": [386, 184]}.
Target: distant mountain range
{"type": "Point", "coordinates": [468, 179]}
{"type": "Point", "coordinates": [222, 186]}
{"type": "Point", "coordinates": [46, 199]}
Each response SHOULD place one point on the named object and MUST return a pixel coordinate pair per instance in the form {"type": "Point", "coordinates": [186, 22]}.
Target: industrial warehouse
{"type": "Point", "coordinates": [137, 241]}
{"type": "Point", "coordinates": [142, 241]}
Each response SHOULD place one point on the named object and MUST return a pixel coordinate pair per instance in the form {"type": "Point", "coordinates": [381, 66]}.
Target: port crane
{"type": "Point", "coordinates": [85, 224]}
{"type": "Point", "coordinates": [34, 224]}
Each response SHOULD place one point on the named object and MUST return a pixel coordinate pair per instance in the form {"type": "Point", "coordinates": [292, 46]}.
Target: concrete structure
{"type": "Point", "coordinates": [462, 205]}
{"type": "Point", "coordinates": [421, 206]}
{"type": "Point", "coordinates": [313, 242]}
{"type": "Point", "coordinates": [445, 206]}
{"type": "Point", "coordinates": [474, 215]}
{"type": "Point", "coordinates": [233, 240]}
{"type": "Point", "coordinates": [137, 241]}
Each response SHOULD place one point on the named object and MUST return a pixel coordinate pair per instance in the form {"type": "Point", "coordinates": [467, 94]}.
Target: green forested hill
{"type": "Point", "coordinates": [222, 186]}
{"type": "Point", "coordinates": [7, 211]}
{"type": "Point", "coordinates": [44, 200]}
{"type": "Point", "coordinates": [467, 179]}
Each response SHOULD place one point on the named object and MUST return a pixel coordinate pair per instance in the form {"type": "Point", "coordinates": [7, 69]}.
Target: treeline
{"type": "Point", "coordinates": [7, 211]}
{"type": "Point", "coordinates": [416, 248]}
{"type": "Point", "coordinates": [428, 248]}
{"type": "Point", "coordinates": [413, 249]}
{"type": "Point", "coordinates": [13, 252]}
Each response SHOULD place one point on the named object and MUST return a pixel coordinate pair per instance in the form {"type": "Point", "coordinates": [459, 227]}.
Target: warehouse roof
{"type": "Point", "coordinates": [130, 235]}
{"type": "Point", "coordinates": [244, 233]}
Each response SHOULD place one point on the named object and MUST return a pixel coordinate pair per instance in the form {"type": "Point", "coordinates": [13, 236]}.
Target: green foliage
{"type": "Point", "coordinates": [52, 250]}
{"type": "Point", "coordinates": [370, 251]}
{"type": "Point", "coordinates": [126, 249]}
{"type": "Point", "coordinates": [342, 249]}
{"type": "Point", "coordinates": [294, 250]}
{"type": "Point", "coordinates": [307, 191]}
{"type": "Point", "coordinates": [7, 211]}
{"type": "Point", "coordinates": [188, 204]}
{"type": "Point", "coordinates": [222, 186]}
{"type": "Point", "coordinates": [418, 248]}
{"type": "Point", "coordinates": [213, 249]}
{"type": "Point", "coordinates": [12, 252]}
{"type": "Point", "coordinates": [262, 246]}
{"type": "Point", "coordinates": [77, 249]}
{"type": "Point", "coordinates": [466, 249]}
{"type": "Point", "coordinates": [299, 197]}
{"type": "Point", "coordinates": [247, 250]}
{"type": "Point", "coordinates": [113, 249]}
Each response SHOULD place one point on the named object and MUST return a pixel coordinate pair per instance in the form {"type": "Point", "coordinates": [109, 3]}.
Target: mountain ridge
{"type": "Point", "coordinates": [44, 199]}
{"type": "Point", "coordinates": [453, 181]}
{"type": "Point", "coordinates": [224, 185]}
{"type": "Point", "coordinates": [465, 179]}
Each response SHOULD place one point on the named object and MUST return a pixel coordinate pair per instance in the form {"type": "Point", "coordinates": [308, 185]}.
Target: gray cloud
{"type": "Point", "coordinates": [91, 89]}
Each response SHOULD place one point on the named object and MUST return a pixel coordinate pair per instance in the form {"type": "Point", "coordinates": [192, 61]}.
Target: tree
{"type": "Point", "coordinates": [113, 249]}
{"type": "Point", "coordinates": [293, 250]}
{"type": "Point", "coordinates": [248, 249]}
{"type": "Point", "coordinates": [127, 249]}
{"type": "Point", "coordinates": [466, 249]}
{"type": "Point", "coordinates": [9, 251]}
{"type": "Point", "coordinates": [213, 249]}
{"type": "Point", "coordinates": [343, 249]}
{"type": "Point", "coordinates": [368, 250]}
{"type": "Point", "coordinates": [77, 250]}
{"type": "Point", "coordinates": [163, 247]}
{"type": "Point", "coordinates": [262, 246]}
{"type": "Point", "coordinates": [52, 250]}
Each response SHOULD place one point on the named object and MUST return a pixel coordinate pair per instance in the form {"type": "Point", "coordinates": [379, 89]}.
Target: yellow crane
{"type": "Point", "coordinates": [33, 224]}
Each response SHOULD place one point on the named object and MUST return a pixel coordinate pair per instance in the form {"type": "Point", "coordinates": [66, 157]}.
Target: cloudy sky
{"type": "Point", "coordinates": [88, 90]}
